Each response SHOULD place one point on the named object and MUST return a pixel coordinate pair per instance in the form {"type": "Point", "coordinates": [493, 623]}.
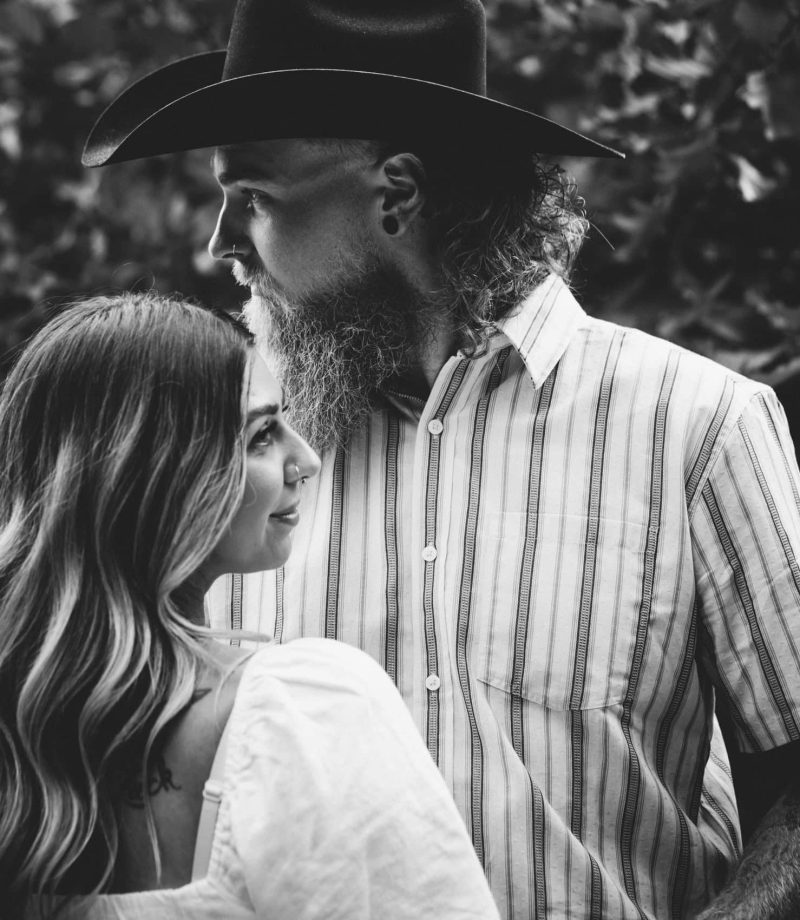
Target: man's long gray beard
{"type": "Point", "coordinates": [334, 352]}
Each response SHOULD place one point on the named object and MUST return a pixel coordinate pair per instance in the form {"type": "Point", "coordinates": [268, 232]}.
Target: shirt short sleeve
{"type": "Point", "coordinates": [337, 810]}
{"type": "Point", "coordinates": [746, 544]}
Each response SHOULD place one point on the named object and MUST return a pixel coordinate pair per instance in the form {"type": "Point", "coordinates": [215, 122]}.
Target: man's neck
{"type": "Point", "coordinates": [437, 346]}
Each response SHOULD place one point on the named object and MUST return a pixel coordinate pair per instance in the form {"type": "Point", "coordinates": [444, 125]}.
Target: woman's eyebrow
{"type": "Point", "coordinates": [266, 409]}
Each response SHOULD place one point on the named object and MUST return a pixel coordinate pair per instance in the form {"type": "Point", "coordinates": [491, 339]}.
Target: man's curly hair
{"type": "Point", "coordinates": [501, 237]}
{"type": "Point", "coordinates": [503, 223]}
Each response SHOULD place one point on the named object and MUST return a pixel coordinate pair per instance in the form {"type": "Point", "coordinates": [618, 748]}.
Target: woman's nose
{"type": "Point", "coordinates": [304, 462]}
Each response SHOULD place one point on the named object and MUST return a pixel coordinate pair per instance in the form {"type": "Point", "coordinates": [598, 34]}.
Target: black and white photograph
{"type": "Point", "coordinates": [399, 497]}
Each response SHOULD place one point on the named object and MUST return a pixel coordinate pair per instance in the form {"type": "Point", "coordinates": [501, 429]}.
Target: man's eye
{"type": "Point", "coordinates": [254, 197]}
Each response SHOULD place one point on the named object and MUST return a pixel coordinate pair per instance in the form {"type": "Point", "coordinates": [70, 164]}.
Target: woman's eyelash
{"type": "Point", "coordinates": [264, 434]}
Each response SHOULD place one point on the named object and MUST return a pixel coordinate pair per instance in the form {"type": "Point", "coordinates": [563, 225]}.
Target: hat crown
{"type": "Point", "coordinates": [441, 41]}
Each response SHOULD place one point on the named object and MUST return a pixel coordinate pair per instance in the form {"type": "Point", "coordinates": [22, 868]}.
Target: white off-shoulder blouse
{"type": "Point", "coordinates": [332, 807]}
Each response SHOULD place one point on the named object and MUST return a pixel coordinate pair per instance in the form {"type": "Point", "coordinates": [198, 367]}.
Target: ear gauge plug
{"type": "Point", "coordinates": [391, 224]}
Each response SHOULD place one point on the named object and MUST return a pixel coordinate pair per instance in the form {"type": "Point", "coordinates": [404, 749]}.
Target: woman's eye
{"type": "Point", "coordinates": [264, 436]}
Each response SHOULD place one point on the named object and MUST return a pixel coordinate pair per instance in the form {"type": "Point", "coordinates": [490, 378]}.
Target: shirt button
{"type": "Point", "coordinates": [435, 427]}
{"type": "Point", "coordinates": [432, 682]}
{"type": "Point", "coordinates": [429, 553]}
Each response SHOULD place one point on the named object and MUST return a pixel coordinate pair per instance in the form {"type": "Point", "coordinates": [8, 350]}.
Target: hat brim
{"type": "Point", "coordinates": [186, 106]}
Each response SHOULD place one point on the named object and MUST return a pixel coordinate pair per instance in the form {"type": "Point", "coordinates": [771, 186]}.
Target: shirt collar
{"type": "Point", "coordinates": [542, 327]}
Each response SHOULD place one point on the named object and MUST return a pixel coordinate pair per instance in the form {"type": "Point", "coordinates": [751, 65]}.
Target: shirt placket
{"type": "Point", "coordinates": [429, 537]}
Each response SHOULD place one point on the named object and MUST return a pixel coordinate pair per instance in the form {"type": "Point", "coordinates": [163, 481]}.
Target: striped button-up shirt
{"type": "Point", "coordinates": [560, 557]}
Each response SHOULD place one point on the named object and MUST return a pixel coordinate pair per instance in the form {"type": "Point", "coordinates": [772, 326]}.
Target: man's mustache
{"type": "Point", "coordinates": [257, 279]}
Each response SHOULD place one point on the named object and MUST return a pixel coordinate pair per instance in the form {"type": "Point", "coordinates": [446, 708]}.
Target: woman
{"type": "Point", "coordinates": [143, 453]}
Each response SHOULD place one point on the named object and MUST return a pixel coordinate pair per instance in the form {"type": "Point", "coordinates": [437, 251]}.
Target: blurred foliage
{"type": "Point", "coordinates": [696, 234]}
{"type": "Point", "coordinates": [703, 214]}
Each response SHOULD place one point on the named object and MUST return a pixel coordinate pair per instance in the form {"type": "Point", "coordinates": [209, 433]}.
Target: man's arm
{"type": "Point", "coordinates": [766, 883]}
{"type": "Point", "coordinates": [746, 543]}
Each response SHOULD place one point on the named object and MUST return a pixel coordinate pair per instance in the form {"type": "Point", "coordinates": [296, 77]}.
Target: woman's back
{"type": "Point", "coordinates": [175, 785]}
{"type": "Point", "coordinates": [332, 807]}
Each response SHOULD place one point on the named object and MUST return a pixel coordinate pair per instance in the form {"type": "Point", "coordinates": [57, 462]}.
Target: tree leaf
{"type": "Point", "coordinates": [753, 184]}
{"type": "Point", "coordinates": [761, 22]}
{"type": "Point", "coordinates": [677, 32]}
{"type": "Point", "coordinates": [21, 22]}
{"type": "Point", "coordinates": [684, 70]}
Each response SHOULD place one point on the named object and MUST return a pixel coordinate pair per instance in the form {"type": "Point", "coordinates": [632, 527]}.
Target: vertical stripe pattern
{"type": "Point", "coordinates": [465, 602]}
{"type": "Point", "coordinates": [523, 601]}
{"type": "Point", "coordinates": [390, 537]}
{"type": "Point", "coordinates": [335, 550]}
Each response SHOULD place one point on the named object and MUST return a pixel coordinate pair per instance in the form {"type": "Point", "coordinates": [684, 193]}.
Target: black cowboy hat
{"type": "Point", "coordinates": [411, 69]}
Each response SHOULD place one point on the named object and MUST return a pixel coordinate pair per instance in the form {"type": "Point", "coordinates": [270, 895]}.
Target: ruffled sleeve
{"type": "Point", "coordinates": [337, 810]}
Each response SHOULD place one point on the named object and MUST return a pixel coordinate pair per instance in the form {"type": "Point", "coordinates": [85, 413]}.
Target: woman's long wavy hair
{"type": "Point", "coordinates": [121, 464]}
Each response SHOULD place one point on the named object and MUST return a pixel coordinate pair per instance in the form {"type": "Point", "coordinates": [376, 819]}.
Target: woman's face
{"type": "Point", "coordinates": [277, 460]}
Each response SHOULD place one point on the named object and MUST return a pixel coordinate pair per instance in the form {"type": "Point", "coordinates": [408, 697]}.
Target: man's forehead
{"type": "Point", "coordinates": [283, 158]}
{"type": "Point", "coordinates": [265, 395]}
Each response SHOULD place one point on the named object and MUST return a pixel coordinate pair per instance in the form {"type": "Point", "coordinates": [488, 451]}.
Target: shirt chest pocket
{"type": "Point", "coordinates": [563, 608]}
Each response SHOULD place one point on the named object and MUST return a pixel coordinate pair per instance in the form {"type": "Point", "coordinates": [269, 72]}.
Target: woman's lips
{"type": "Point", "coordinates": [289, 516]}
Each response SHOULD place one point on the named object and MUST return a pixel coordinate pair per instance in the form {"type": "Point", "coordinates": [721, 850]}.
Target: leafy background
{"type": "Point", "coordinates": [696, 235]}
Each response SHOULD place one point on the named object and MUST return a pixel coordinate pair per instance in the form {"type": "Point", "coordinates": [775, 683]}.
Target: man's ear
{"type": "Point", "coordinates": [403, 180]}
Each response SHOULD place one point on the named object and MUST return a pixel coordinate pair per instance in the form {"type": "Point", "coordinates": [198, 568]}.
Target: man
{"type": "Point", "coordinates": [561, 538]}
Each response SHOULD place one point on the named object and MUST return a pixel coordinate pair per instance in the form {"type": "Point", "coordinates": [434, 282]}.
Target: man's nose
{"type": "Point", "coordinates": [226, 238]}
